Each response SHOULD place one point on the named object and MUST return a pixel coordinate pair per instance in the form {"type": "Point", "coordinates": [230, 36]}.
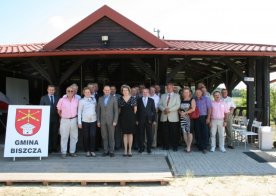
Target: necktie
{"type": "Point", "coordinates": [52, 99]}
{"type": "Point", "coordinates": [168, 100]}
{"type": "Point", "coordinates": [145, 101]}
{"type": "Point", "coordinates": [105, 100]}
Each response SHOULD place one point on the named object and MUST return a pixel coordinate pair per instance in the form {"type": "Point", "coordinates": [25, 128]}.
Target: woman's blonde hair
{"type": "Point", "coordinates": [125, 86]}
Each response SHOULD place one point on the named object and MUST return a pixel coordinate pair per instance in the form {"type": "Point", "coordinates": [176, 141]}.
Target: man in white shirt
{"type": "Point", "coordinates": [156, 98]}
{"type": "Point", "coordinates": [229, 133]}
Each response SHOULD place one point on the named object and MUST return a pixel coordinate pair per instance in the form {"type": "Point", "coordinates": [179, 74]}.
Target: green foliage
{"type": "Point", "coordinates": [272, 102]}
{"type": "Point", "coordinates": [239, 97]}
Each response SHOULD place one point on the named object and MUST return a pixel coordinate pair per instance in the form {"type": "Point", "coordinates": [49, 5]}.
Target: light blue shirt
{"type": "Point", "coordinates": [106, 98]}
{"type": "Point", "coordinates": [87, 110]}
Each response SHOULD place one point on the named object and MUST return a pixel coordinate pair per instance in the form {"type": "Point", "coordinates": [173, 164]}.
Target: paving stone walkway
{"type": "Point", "coordinates": [233, 162]}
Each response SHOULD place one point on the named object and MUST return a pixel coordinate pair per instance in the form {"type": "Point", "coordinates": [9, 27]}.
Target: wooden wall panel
{"type": "Point", "coordinates": [119, 37]}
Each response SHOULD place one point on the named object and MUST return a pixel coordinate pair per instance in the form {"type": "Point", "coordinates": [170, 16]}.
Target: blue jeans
{"type": "Point", "coordinates": [201, 133]}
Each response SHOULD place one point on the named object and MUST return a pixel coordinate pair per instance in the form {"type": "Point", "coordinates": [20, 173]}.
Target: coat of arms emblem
{"type": "Point", "coordinates": [28, 121]}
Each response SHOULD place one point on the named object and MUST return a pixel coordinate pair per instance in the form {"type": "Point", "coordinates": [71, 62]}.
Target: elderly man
{"type": "Point", "coordinates": [231, 105]}
{"type": "Point", "coordinates": [218, 121]}
{"type": "Point", "coordinates": [169, 105]}
{"type": "Point", "coordinates": [204, 89]}
{"type": "Point", "coordinates": [76, 88]}
{"type": "Point", "coordinates": [67, 108]}
{"type": "Point", "coordinates": [204, 106]}
{"type": "Point", "coordinates": [107, 111]}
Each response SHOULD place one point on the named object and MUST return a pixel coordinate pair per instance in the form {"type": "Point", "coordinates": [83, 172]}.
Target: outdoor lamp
{"type": "Point", "coordinates": [105, 39]}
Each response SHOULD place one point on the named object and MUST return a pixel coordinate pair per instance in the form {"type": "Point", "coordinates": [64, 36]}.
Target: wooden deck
{"type": "Point", "coordinates": [84, 170]}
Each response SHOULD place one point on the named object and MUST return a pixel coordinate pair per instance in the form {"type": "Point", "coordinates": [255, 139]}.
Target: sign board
{"type": "Point", "coordinates": [248, 79]}
{"type": "Point", "coordinates": [27, 132]}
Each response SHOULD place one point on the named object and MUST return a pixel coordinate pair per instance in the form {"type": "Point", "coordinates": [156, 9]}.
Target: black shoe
{"type": "Point", "coordinates": [73, 155]}
{"type": "Point", "coordinates": [105, 154]}
{"type": "Point", "coordinates": [111, 154]}
{"type": "Point", "coordinates": [149, 151]}
{"type": "Point", "coordinates": [204, 151]}
{"type": "Point", "coordinates": [174, 149]}
{"type": "Point", "coordinates": [231, 147]}
{"type": "Point", "coordinates": [141, 150]}
{"type": "Point", "coordinates": [129, 155]}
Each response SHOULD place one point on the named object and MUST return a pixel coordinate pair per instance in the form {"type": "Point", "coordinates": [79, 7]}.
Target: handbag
{"type": "Point", "coordinates": [195, 114]}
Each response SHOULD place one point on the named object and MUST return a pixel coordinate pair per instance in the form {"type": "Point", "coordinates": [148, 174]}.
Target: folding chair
{"type": "Point", "coordinates": [253, 131]}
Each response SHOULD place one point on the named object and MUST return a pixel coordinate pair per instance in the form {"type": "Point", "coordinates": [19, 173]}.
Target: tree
{"type": "Point", "coordinates": [243, 100]}
{"type": "Point", "coordinates": [272, 102]}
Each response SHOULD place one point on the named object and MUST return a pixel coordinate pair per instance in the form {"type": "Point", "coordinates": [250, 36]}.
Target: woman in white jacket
{"type": "Point", "coordinates": [87, 121]}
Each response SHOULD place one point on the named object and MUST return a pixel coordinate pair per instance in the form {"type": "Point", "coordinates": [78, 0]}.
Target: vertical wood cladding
{"type": "Point", "coordinates": [119, 37]}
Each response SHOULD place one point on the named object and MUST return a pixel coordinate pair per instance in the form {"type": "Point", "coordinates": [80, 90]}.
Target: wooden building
{"type": "Point", "coordinates": [108, 48]}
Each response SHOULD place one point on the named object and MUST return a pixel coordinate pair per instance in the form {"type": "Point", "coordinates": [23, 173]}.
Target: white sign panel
{"type": "Point", "coordinates": [248, 79]}
{"type": "Point", "coordinates": [27, 131]}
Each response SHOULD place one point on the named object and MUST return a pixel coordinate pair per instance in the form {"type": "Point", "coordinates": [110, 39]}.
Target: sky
{"type": "Point", "coordinates": [242, 21]}
{"type": "Point", "coordinates": [247, 21]}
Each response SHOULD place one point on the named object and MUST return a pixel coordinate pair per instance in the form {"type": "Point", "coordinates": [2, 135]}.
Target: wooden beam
{"type": "Point", "coordinates": [235, 68]}
{"type": "Point", "coordinates": [71, 70]}
{"type": "Point", "coordinates": [51, 64]}
{"type": "Point", "coordinates": [145, 67]}
{"type": "Point", "coordinates": [41, 71]}
{"type": "Point", "coordinates": [176, 69]}
{"type": "Point", "coordinates": [234, 82]}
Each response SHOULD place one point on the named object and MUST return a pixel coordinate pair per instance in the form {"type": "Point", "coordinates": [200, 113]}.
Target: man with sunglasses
{"type": "Point", "coordinates": [67, 109]}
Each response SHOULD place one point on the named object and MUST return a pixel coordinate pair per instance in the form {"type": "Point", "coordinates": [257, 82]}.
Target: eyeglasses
{"type": "Point", "coordinates": [70, 91]}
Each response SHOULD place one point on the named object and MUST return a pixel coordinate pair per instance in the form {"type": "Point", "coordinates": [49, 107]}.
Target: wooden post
{"type": "Point", "coordinates": [250, 91]}
{"type": "Point", "coordinates": [266, 94]}
{"type": "Point", "coordinates": [259, 89]}
{"type": "Point", "coordinates": [263, 90]}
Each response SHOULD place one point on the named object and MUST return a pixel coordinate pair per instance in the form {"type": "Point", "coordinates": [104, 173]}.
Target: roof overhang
{"type": "Point", "coordinates": [148, 51]}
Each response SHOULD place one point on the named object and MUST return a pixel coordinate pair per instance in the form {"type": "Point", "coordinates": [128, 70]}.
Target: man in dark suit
{"type": "Point", "coordinates": [145, 118]}
{"type": "Point", "coordinates": [51, 99]}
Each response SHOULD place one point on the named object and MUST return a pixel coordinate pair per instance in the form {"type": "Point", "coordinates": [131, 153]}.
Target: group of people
{"type": "Point", "coordinates": [139, 117]}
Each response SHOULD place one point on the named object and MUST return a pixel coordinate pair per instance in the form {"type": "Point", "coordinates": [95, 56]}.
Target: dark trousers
{"type": "Point", "coordinates": [80, 144]}
{"type": "Point", "coordinates": [98, 138]}
{"type": "Point", "coordinates": [135, 138]}
{"type": "Point", "coordinates": [53, 136]}
{"type": "Point", "coordinates": [89, 134]}
{"type": "Point", "coordinates": [159, 132]}
{"type": "Point", "coordinates": [118, 137]}
{"type": "Point", "coordinates": [170, 132]}
{"type": "Point", "coordinates": [201, 133]}
{"type": "Point", "coordinates": [142, 127]}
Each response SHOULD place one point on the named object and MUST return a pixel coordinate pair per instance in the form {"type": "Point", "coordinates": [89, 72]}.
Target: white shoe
{"type": "Point", "coordinates": [212, 149]}
{"type": "Point", "coordinates": [223, 150]}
